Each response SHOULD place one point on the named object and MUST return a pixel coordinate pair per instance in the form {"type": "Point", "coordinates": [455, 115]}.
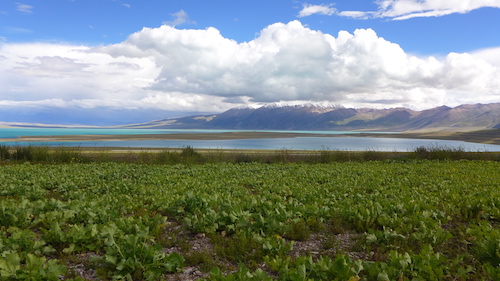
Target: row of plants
{"type": "Point", "coordinates": [188, 155]}
{"type": "Point", "coordinates": [411, 220]}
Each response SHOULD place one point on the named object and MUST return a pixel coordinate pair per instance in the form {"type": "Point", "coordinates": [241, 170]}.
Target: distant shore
{"type": "Point", "coordinates": [485, 136]}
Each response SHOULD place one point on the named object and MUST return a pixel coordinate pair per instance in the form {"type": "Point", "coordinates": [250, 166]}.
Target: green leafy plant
{"type": "Point", "coordinates": [133, 257]}
{"type": "Point", "coordinates": [402, 220]}
{"type": "Point", "coordinates": [14, 267]}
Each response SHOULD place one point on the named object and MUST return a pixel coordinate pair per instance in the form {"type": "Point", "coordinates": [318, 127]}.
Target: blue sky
{"type": "Point", "coordinates": [96, 22]}
{"type": "Point", "coordinates": [133, 60]}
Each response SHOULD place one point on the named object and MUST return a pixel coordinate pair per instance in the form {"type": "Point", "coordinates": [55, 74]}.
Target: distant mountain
{"type": "Point", "coordinates": [312, 117]}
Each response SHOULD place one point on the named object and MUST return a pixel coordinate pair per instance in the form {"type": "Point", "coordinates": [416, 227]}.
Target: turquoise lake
{"type": "Point", "coordinates": [300, 143]}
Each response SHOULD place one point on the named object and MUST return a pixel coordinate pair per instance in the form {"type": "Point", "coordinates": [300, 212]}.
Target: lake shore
{"type": "Point", "coordinates": [486, 136]}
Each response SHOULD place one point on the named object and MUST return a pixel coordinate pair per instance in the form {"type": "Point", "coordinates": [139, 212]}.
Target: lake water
{"type": "Point", "coordinates": [300, 143]}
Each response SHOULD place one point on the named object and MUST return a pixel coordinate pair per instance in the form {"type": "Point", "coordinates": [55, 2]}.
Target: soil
{"type": "Point", "coordinates": [186, 243]}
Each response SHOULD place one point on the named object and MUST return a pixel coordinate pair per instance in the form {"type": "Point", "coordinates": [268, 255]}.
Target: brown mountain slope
{"type": "Point", "coordinates": [309, 117]}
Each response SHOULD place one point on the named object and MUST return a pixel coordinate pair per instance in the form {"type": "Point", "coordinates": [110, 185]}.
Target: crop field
{"type": "Point", "coordinates": [372, 220]}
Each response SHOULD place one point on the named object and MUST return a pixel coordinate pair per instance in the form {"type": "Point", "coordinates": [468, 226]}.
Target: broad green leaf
{"type": "Point", "coordinates": [10, 263]}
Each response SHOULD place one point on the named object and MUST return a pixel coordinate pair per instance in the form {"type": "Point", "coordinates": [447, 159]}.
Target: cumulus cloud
{"type": "Point", "coordinates": [407, 9]}
{"type": "Point", "coordinates": [308, 9]}
{"type": "Point", "coordinates": [290, 62]}
{"type": "Point", "coordinates": [490, 55]}
{"type": "Point", "coordinates": [200, 70]}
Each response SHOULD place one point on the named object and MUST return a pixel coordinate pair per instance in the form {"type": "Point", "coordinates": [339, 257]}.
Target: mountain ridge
{"type": "Point", "coordinates": [466, 117]}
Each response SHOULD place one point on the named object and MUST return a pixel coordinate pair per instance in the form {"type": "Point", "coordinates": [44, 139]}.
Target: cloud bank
{"type": "Point", "coordinates": [407, 9]}
{"type": "Point", "coordinates": [192, 70]}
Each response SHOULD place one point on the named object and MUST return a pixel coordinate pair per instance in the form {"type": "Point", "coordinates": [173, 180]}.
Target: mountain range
{"type": "Point", "coordinates": [469, 117]}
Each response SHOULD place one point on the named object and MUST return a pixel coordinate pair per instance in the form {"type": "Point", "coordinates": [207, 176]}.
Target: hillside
{"type": "Point", "coordinates": [311, 117]}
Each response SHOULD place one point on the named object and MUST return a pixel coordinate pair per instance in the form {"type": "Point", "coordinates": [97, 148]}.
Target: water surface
{"type": "Point", "coordinates": [299, 143]}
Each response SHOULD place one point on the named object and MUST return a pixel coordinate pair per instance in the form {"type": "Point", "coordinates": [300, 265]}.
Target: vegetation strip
{"type": "Point", "coordinates": [188, 155]}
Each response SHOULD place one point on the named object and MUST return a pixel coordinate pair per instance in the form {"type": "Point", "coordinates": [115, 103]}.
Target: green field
{"type": "Point", "coordinates": [403, 219]}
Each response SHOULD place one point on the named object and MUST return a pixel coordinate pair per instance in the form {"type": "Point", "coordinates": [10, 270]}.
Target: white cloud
{"type": "Point", "coordinates": [126, 5]}
{"type": "Point", "coordinates": [289, 62]}
{"type": "Point", "coordinates": [490, 55]}
{"type": "Point", "coordinates": [308, 9]}
{"type": "Point", "coordinates": [407, 9]}
{"type": "Point", "coordinates": [200, 70]}
{"type": "Point", "coordinates": [180, 18]}
{"type": "Point", "coordinates": [17, 30]}
{"type": "Point", "coordinates": [47, 71]}
{"type": "Point", "coordinates": [24, 8]}
{"type": "Point", "coordinates": [355, 14]}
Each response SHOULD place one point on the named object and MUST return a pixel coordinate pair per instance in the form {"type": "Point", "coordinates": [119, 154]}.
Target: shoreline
{"type": "Point", "coordinates": [485, 136]}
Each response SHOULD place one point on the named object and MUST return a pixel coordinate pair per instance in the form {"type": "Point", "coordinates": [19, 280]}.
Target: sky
{"type": "Point", "coordinates": [108, 62]}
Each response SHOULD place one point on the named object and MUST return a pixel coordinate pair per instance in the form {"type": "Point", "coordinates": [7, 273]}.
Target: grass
{"type": "Point", "coordinates": [189, 155]}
